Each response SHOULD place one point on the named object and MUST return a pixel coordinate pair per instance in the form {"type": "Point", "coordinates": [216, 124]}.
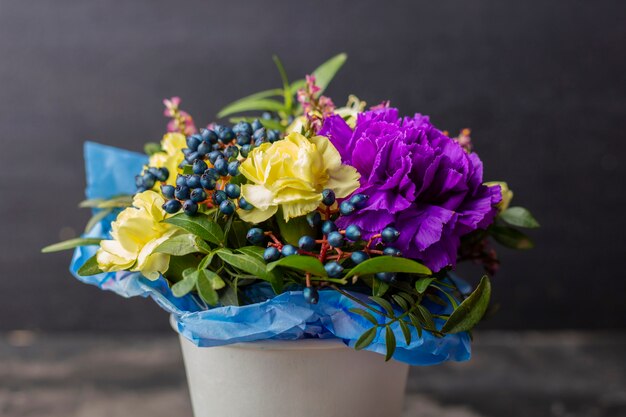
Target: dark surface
{"type": "Point", "coordinates": [511, 374]}
{"type": "Point", "coordinates": [541, 83]}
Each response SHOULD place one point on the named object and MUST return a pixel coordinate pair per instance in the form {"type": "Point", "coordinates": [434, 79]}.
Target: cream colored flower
{"type": "Point", "coordinates": [136, 232]}
{"type": "Point", "coordinates": [171, 156]}
{"type": "Point", "coordinates": [291, 174]}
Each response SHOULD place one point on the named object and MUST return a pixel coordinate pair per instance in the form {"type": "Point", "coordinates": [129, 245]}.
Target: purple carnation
{"type": "Point", "coordinates": [418, 180]}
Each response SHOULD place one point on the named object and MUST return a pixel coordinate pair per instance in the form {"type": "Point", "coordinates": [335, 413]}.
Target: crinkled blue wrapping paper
{"type": "Point", "coordinates": [111, 171]}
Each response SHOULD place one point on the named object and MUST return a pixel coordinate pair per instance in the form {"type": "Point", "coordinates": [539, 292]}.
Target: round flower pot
{"type": "Point", "coordinates": [303, 378]}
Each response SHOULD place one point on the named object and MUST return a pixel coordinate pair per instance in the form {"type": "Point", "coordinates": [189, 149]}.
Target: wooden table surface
{"type": "Point", "coordinates": [511, 374]}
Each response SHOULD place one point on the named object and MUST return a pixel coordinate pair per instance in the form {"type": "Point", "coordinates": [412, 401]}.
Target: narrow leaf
{"type": "Point", "coordinates": [182, 288]}
{"type": "Point", "coordinates": [207, 292]}
{"type": "Point", "coordinates": [96, 218]}
{"type": "Point", "coordinates": [422, 284]}
{"type": "Point", "coordinates": [326, 72]}
{"type": "Point", "coordinates": [388, 264]}
{"type": "Point", "coordinates": [379, 288]}
{"type": "Point", "coordinates": [275, 92]}
{"type": "Point", "coordinates": [519, 216]}
{"type": "Point", "coordinates": [262, 104]}
{"type": "Point", "coordinates": [366, 339]}
{"type": "Point", "coordinates": [200, 225]}
{"type": "Point", "coordinates": [386, 305]}
{"type": "Point", "coordinates": [365, 314]}
{"type": "Point", "coordinates": [90, 267]}
{"type": "Point", "coordinates": [288, 98]}
{"type": "Point", "coordinates": [182, 245]}
{"type": "Point", "coordinates": [471, 310]}
{"type": "Point", "coordinates": [511, 238]}
{"type": "Point", "coordinates": [71, 244]}
{"type": "Point", "coordinates": [400, 301]}
{"type": "Point", "coordinates": [426, 317]}
{"type": "Point", "coordinates": [405, 331]}
{"type": "Point", "coordinates": [416, 323]}
{"type": "Point", "coordinates": [301, 263]}
{"type": "Point", "coordinates": [253, 251]}
{"type": "Point", "coordinates": [390, 342]}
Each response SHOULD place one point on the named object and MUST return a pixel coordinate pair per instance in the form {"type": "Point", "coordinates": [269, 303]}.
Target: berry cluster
{"type": "Point", "coordinates": [149, 177]}
{"type": "Point", "coordinates": [212, 159]}
{"type": "Point", "coordinates": [334, 247]}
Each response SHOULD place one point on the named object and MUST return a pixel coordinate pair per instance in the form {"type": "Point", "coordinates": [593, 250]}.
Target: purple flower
{"type": "Point", "coordinates": [418, 179]}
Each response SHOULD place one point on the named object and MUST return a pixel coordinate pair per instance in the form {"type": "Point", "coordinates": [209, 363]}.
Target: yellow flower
{"type": "Point", "coordinates": [171, 156]}
{"type": "Point", "coordinates": [291, 174]}
{"type": "Point", "coordinates": [136, 232]}
{"type": "Point", "coordinates": [507, 194]}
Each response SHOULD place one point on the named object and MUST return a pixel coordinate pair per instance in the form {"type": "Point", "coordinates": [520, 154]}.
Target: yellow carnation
{"type": "Point", "coordinates": [171, 156]}
{"type": "Point", "coordinates": [136, 232]}
{"type": "Point", "coordinates": [291, 174]}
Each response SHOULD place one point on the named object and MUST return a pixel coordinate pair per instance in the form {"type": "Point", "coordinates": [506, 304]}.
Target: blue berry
{"type": "Point", "coordinates": [138, 181]}
{"type": "Point", "coordinates": [389, 234]}
{"type": "Point", "coordinates": [244, 205]}
{"type": "Point", "coordinates": [148, 180]}
{"type": "Point", "coordinates": [267, 115]}
{"type": "Point", "coordinates": [314, 219]}
{"type": "Point", "coordinates": [333, 269]}
{"type": "Point", "coordinates": [256, 125]}
{"type": "Point", "coordinates": [232, 190]}
{"type": "Point", "coordinates": [346, 208]}
{"type": "Point", "coordinates": [391, 251]}
{"type": "Point", "coordinates": [310, 295]}
{"type": "Point", "coordinates": [243, 127]}
{"type": "Point", "coordinates": [190, 208]}
{"type": "Point", "coordinates": [271, 254]}
{"type": "Point", "coordinates": [226, 135]}
{"type": "Point", "coordinates": [193, 142]}
{"type": "Point", "coordinates": [259, 135]}
{"type": "Point", "coordinates": [221, 166]}
{"type": "Point", "coordinates": [199, 166]}
{"type": "Point", "coordinates": [233, 168]}
{"type": "Point", "coordinates": [386, 276]}
{"type": "Point", "coordinates": [141, 189]}
{"type": "Point", "coordinates": [243, 139]}
{"type": "Point", "coordinates": [208, 135]}
{"type": "Point", "coordinates": [208, 181]}
{"type": "Point", "coordinates": [182, 192]}
{"type": "Point", "coordinates": [273, 136]}
{"type": "Point", "coordinates": [328, 197]}
{"type": "Point", "coordinates": [359, 200]}
{"type": "Point", "coordinates": [289, 250]}
{"type": "Point", "coordinates": [219, 196]}
{"type": "Point", "coordinates": [204, 149]}
{"type": "Point", "coordinates": [181, 180]}
{"type": "Point", "coordinates": [255, 236]}
{"type": "Point", "coordinates": [198, 195]}
{"type": "Point", "coordinates": [161, 174]}
{"type": "Point", "coordinates": [192, 157]}
{"type": "Point", "coordinates": [358, 257]}
{"type": "Point", "coordinates": [353, 232]}
{"type": "Point", "coordinates": [245, 150]}
{"type": "Point", "coordinates": [306, 243]}
{"type": "Point", "coordinates": [328, 227]}
{"type": "Point", "coordinates": [167, 191]}
{"type": "Point", "coordinates": [171, 206]}
{"type": "Point", "coordinates": [231, 152]}
{"type": "Point", "coordinates": [335, 239]}
{"type": "Point", "coordinates": [194, 181]}
{"type": "Point", "coordinates": [227, 207]}
{"type": "Point", "coordinates": [214, 156]}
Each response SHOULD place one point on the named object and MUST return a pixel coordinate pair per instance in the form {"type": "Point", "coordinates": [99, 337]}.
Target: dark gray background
{"type": "Point", "coordinates": [540, 82]}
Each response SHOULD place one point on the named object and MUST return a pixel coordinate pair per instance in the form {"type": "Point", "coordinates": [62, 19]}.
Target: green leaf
{"type": "Point", "coordinates": [416, 323]}
{"type": "Point", "coordinates": [71, 244]}
{"type": "Point", "coordinates": [200, 225]}
{"type": "Point", "coordinates": [182, 288]}
{"type": "Point", "coordinates": [366, 339]}
{"type": "Point", "coordinates": [519, 216]}
{"type": "Point", "coordinates": [400, 301]}
{"type": "Point", "coordinates": [425, 317]}
{"type": "Point", "coordinates": [422, 284]}
{"type": "Point", "coordinates": [511, 238]}
{"type": "Point", "coordinates": [275, 92]}
{"type": "Point", "coordinates": [297, 85]}
{"type": "Point", "coordinates": [179, 265]}
{"type": "Point", "coordinates": [386, 305]}
{"type": "Point", "coordinates": [388, 264]}
{"type": "Point", "coordinates": [206, 261]}
{"type": "Point", "coordinates": [294, 229]}
{"type": "Point", "coordinates": [254, 251]}
{"type": "Point", "coordinates": [450, 298]}
{"type": "Point", "coordinates": [96, 218]}
{"type": "Point", "coordinates": [90, 267]}
{"type": "Point", "coordinates": [288, 97]}
{"type": "Point", "coordinates": [253, 266]}
{"type": "Point", "coordinates": [151, 148]}
{"type": "Point", "coordinates": [390, 342]}
{"type": "Point", "coordinates": [182, 245]}
{"type": "Point", "coordinates": [379, 288]}
{"type": "Point", "coordinates": [120, 201]}
{"type": "Point", "coordinates": [207, 292]}
{"type": "Point", "coordinates": [301, 263]}
{"type": "Point", "coordinates": [216, 281]}
{"type": "Point", "coordinates": [405, 331]}
{"type": "Point", "coordinates": [237, 234]}
{"type": "Point", "coordinates": [471, 310]}
{"type": "Point", "coordinates": [365, 314]}
{"type": "Point", "coordinates": [326, 72]}
{"type": "Point", "coordinates": [261, 104]}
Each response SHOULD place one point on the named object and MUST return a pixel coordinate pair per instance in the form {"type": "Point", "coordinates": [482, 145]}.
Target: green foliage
{"type": "Point", "coordinates": [121, 201]}
{"type": "Point", "coordinates": [520, 217]}
{"type": "Point", "coordinates": [90, 267]}
{"type": "Point", "coordinates": [511, 238]}
{"type": "Point", "coordinates": [469, 313]}
{"type": "Point", "coordinates": [388, 264]}
{"type": "Point", "coordinates": [183, 245]}
{"type": "Point", "coordinates": [151, 148]}
{"type": "Point", "coordinates": [252, 265]}
{"type": "Point", "coordinates": [301, 263]}
{"type": "Point", "coordinates": [200, 225]}
{"type": "Point", "coordinates": [71, 244]}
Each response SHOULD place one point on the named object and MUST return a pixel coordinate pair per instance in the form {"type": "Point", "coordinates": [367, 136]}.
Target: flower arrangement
{"type": "Point", "coordinates": [311, 220]}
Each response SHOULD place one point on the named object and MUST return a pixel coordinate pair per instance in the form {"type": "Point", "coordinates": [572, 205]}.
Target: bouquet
{"type": "Point", "coordinates": [306, 220]}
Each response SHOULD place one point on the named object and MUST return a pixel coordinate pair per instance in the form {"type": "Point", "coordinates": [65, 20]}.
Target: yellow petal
{"type": "Point", "coordinates": [256, 215]}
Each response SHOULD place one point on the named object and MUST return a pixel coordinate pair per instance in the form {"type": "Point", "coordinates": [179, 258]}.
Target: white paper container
{"type": "Point", "coordinates": [303, 378]}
